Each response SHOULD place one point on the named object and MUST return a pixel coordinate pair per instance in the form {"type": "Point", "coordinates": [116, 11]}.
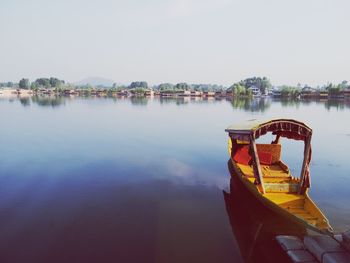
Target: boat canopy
{"type": "Point", "coordinates": [288, 128]}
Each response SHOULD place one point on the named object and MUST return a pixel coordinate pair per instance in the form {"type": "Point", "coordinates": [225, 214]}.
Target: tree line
{"type": "Point", "coordinates": [241, 88]}
{"type": "Point", "coordinates": [41, 82]}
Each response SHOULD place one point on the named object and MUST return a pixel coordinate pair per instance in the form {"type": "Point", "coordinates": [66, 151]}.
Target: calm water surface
{"type": "Point", "coordinates": [142, 180]}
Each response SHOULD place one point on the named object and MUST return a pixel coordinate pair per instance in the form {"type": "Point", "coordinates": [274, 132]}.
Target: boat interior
{"type": "Point", "coordinates": [276, 174]}
{"type": "Point", "coordinates": [280, 186]}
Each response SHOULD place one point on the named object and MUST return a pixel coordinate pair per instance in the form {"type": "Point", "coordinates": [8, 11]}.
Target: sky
{"type": "Point", "coordinates": [194, 41]}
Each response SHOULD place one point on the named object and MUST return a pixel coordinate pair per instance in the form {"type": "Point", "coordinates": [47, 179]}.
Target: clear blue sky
{"type": "Point", "coordinates": [196, 41]}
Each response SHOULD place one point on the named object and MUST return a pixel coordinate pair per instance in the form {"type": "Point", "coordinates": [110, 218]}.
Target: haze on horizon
{"type": "Point", "coordinates": [194, 41]}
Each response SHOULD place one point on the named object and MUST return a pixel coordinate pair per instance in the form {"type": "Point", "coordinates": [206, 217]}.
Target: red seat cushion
{"type": "Point", "coordinates": [242, 156]}
{"type": "Point", "coordinates": [265, 158]}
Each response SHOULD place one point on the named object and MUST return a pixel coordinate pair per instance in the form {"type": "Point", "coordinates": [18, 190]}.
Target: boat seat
{"type": "Point", "coordinates": [275, 170]}
{"type": "Point", "coordinates": [270, 161]}
{"type": "Point", "coordinates": [275, 187]}
{"type": "Point", "coordinates": [273, 149]}
{"type": "Point", "coordinates": [268, 153]}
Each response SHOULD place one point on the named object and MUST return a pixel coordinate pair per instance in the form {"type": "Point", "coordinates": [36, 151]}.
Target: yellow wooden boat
{"type": "Point", "coordinates": [260, 168]}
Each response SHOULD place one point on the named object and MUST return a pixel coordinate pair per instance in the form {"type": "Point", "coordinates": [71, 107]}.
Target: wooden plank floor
{"type": "Point", "coordinates": [285, 198]}
{"type": "Point", "coordinates": [294, 204]}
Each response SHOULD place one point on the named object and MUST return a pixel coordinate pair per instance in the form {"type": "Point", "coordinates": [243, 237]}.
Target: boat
{"type": "Point", "coordinates": [267, 178]}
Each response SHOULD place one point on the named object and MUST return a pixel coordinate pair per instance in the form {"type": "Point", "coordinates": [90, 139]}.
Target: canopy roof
{"type": "Point", "coordinates": [284, 127]}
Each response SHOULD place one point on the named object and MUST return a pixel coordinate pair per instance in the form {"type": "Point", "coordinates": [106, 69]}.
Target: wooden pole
{"type": "Point", "coordinates": [256, 164]}
{"type": "Point", "coordinates": [303, 169]}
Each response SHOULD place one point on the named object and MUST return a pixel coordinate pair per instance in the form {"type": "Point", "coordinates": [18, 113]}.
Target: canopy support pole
{"type": "Point", "coordinates": [304, 168]}
{"type": "Point", "coordinates": [256, 164]}
{"type": "Point", "coordinates": [277, 139]}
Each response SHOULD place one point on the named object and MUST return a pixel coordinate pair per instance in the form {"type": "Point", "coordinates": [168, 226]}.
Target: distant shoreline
{"type": "Point", "coordinates": [103, 93]}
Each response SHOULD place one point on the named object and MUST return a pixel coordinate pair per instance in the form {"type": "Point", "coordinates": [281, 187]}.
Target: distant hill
{"type": "Point", "coordinates": [95, 81]}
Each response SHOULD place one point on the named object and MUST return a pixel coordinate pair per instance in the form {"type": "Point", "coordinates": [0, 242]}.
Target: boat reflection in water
{"type": "Point", "coordinates": [255, 226]}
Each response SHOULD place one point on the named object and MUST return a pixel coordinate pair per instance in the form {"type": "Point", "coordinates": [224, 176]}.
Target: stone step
{"type": "Point", "coordinates": [316, 248]}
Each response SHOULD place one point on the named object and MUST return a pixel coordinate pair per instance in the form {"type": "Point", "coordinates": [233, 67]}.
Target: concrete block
{"type": "Point", "coordinates": [322, 244]}
{"type": "Point", "coordinates": [301, 256]}
{"type": "Point", "coordinates": [289, 242]}
{"type": "Point", "coordinates": [337, 257]}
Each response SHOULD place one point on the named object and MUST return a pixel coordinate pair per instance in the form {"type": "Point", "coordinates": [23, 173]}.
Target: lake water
{"type": "Point", "coordinates": [142, 180]}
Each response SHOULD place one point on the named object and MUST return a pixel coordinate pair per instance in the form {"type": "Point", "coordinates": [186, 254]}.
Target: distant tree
{"type": "Point", "coordinates": [165, 86]}
{"type": "Point", "coordinates": [24, 83]}
{"type": "Point", "coordinates": [117, 87]}
{"type": "Point", "coordinates": [249, 93]}
{"type": "Point", "coordinates": [34, 86]}
{"type": "Point", "coordinates": [138, 84]}
{"type": "Point", "coordinates": [9, 84]}
{"type": "Point", "coordinates": [182, 86]}
{"type": "Point", "coordinates": [343, 84]}
{"type": "Point", "coordinates": [44, 82]}
{"type": "Point", "coordinates": [329, 86]}
{"type": "Point", "coordinates": [289, 91]}
{"type": "Point", "coordinates": [238, 89]}
{"type": "Point", "coordinates": [333, 90]}
{"type": "Point", "coordinates": [55, 82]}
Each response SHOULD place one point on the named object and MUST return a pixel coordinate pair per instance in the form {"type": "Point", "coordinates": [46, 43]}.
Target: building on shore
{"type": "Point", "coordinates": [167, 94]}
{"type": "Point", "coordinates": [123, 93]}
{"type": "Point", "coordinates": [207, 94]}
{"type": "Point", "coordinates": [255, 91]}
{"type": "Point", "coordinates": [229, 93]}
{"type": "Point", "coordinates": [101, 92]}
{"type": "Point", "coordinates": [308, 93]}
{"type": "Point", "coordinates": [336, 94]}
{"type": "Point", "coordinates": [12, 92]}
{"type": "Point", "coordinates": [346, 93]}
{"type": "Point", "coordinates": [196, 93]}
{"type": "Point", "coordinates": [322, 94]}
{"type": "Point", "coordinates": [137, 92]}
{"type": "Point", "coordinates": [183, 93]}
{"type": "Point", "coordinates": [45, 91]}
{"type": "Point", "coordinates": [70, 92]}
{"type": "Point", "coordinates": [276, 93]}
{"type": "Point", "coordinates": [149, 93]}
{"type": "Point", "coordinates": [220, 94]}
{"type": "Point", "coordinates": [24, 92]}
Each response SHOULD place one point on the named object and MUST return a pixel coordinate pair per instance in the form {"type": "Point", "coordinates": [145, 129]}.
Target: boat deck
{"type": "Point", "coordinates": [286, 199]}
{"type": "Point", "coordinates": [276, 179]}
{"type": "Point", "coordinates": [294, 204]}
{"type": "Point", "coordinates": [274, 170]}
